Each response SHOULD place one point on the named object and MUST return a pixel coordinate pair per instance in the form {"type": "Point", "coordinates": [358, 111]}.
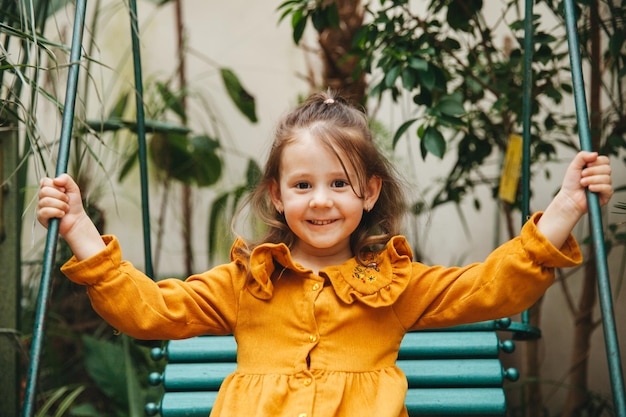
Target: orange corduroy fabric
{"type": "Point", "coordinates": [319, 344]}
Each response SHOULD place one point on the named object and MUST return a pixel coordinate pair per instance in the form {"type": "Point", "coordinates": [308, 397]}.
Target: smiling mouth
{"type": "Point", "coordinates": [321, 222]}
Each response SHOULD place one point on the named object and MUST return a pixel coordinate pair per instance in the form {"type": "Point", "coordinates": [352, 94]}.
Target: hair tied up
{"type": "Point", "coordinates": [329, 101]}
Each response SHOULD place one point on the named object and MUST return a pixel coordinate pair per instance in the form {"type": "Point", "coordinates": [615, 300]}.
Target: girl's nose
{"type": "Point", "coordinates": [321, 199]}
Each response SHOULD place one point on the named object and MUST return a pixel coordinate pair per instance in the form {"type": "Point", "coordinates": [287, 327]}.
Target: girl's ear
{"type": "Point", "coordinates": [274, 190]}
{"type": "Point", "coordinates": [374, 185]}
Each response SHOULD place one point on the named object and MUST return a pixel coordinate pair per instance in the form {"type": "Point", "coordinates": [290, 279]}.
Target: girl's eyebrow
{"type": "Point", "coordinates": [338, 173]}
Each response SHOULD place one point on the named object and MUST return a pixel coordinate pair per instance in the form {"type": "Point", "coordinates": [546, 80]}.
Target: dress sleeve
{"type": "Point", "coordinates": [510, 280]}
{"type": "Point", "coordinates": [167, 309]}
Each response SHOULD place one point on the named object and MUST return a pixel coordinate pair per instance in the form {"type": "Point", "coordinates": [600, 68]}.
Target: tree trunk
{"type": "Point", "coordinates": [187, 228]}
{"type": "Point", "coordinates": [335, 45]}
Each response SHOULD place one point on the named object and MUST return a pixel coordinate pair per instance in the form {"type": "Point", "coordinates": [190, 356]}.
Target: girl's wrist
{"type": "Point", "coordinates": [559, 219]}
{"type": "Point", "coordinates": [84, 238]}
{"type": "Point", "coordinates": [567, 207]}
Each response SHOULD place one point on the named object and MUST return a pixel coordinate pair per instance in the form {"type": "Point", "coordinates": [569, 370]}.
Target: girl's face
{"type": "Point", "coordinates": [319, 202]}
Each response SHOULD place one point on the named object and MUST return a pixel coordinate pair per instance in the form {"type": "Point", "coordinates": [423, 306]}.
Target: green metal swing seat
{"type": "Point", "coordinates": [450, 372]}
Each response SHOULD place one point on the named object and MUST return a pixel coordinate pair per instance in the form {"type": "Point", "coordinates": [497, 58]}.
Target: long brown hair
{"type": "Point", "coordinates": [344, 129]}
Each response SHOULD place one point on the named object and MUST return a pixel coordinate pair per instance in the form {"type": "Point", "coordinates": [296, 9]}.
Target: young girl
{"type": "Point", "coordinates": [319, 306]}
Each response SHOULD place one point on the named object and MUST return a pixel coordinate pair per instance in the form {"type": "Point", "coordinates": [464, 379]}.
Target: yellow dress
{"type": "Point", "coordinates": [325, 344]}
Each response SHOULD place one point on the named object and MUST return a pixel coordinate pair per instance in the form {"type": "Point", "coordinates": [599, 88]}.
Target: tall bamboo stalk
{"type": "Point", "coordinates": [141, 138]}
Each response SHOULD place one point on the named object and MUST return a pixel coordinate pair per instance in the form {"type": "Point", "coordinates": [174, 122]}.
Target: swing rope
{"type": "Point", "coordinates": [604, 284]}
{"type": "Point", "coordinates": [53, 227]}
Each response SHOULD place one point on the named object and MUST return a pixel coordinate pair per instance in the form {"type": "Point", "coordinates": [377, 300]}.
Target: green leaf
{"type": "Point", "coordinates": [117, 112]}
{"type": "Point", "coordinates": [172, 101]}
{"type": "Point", "coordinates": [427, 79]}
{"type": "Point", "coordinates": [318, 18]}
{"type": "Point", "coordinates": [409, 79]}
{"type": "Point", "coordinates": [189, 160]}
{"type": "Point", "coordinates": [392, 74]}
{"type": "Point", "coordinates": [423, 150]}
{"type": "Point", "coordinates": [129, 164]}
{"type": "Point", "coordinates": [332, 16]}
{"type": "Point", "coordinates": [401, 130]}
{"type": "Point", "coordinates": [68, 401]}
{"type": "Point", "coordinates": [461, 12]}
{"type": "Point", "coordinates": [434, 142]}
{"type": "Point", "coordinates": [325, 17]}
{"type": "Point", "coordinates": [102, 361]}
{"type": "Point", "coordinates": [418, 63]}
{"type": "Point", "coordinates": [64, 395]}
{"type": "Point", "coordinates": [207, 164]}
{"type": "Point", "coordinates": [242, 99]}
{"type": "Point", "coordinates": [253, 173]}
{"type": "Point", "coordinates": [424, 98]}
{"type": "Point", "coordinates": [179, 156]}
{"type": "Point", "coordinates": [133, 388]}
{"type": "Point", "coordinates": [217, 219]}
{"type": "Point", "coordinates": [451, 106]}
{"type": "Point", "coordinates": [298, 23]}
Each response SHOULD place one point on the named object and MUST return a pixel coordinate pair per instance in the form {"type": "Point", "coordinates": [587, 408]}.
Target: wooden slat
{"type": "Point", "coordinates": [480, 344]}
{"type": "Point", "coordinates": [420, 373]}
{"type": "Point", "coordinates": [196, 376]}
{"type": "Point", "coordinates": [420, 402]}
{"type": "Point", "coordinates": [465, 344]}
{"type": "Point", "coordinates": [187, 404]}
{"type": "Point", "coordinates": [202, 349]}
{"type": "Point", "coordinates": [453, 373]}
{"type": "Point", "coordinates": [456, 402]}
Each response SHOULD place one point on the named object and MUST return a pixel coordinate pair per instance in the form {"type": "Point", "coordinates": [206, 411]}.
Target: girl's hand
{"type": "Point", "coordinates": [60, 198]}
{"type": "Point", "coordinates": [587, 170]}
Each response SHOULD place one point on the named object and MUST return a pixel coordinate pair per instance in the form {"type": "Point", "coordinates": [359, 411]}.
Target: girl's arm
{"type": "Point", "coordinates": [60, 198]}
{"type": "Point", "coordinates": [587, 170]}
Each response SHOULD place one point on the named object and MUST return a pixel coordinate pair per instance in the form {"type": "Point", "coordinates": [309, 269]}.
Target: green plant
{"type": "Point", "coordinates": [61, 399]}
{"type": "Point", "coordinates": [223, 208]}
{"type": "Point", "coordinates": [123, 386]}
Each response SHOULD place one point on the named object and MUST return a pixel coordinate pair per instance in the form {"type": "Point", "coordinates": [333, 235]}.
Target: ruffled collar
{"type": "Point", "coordinates": [379, 283]}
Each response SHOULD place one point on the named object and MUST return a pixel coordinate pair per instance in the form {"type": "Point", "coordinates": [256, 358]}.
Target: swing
{"type": "Point", "coordinates": [451, 372]}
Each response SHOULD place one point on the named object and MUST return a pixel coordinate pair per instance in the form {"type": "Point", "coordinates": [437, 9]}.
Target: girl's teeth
{"type": "Point", "coordinates": [321, 222]}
